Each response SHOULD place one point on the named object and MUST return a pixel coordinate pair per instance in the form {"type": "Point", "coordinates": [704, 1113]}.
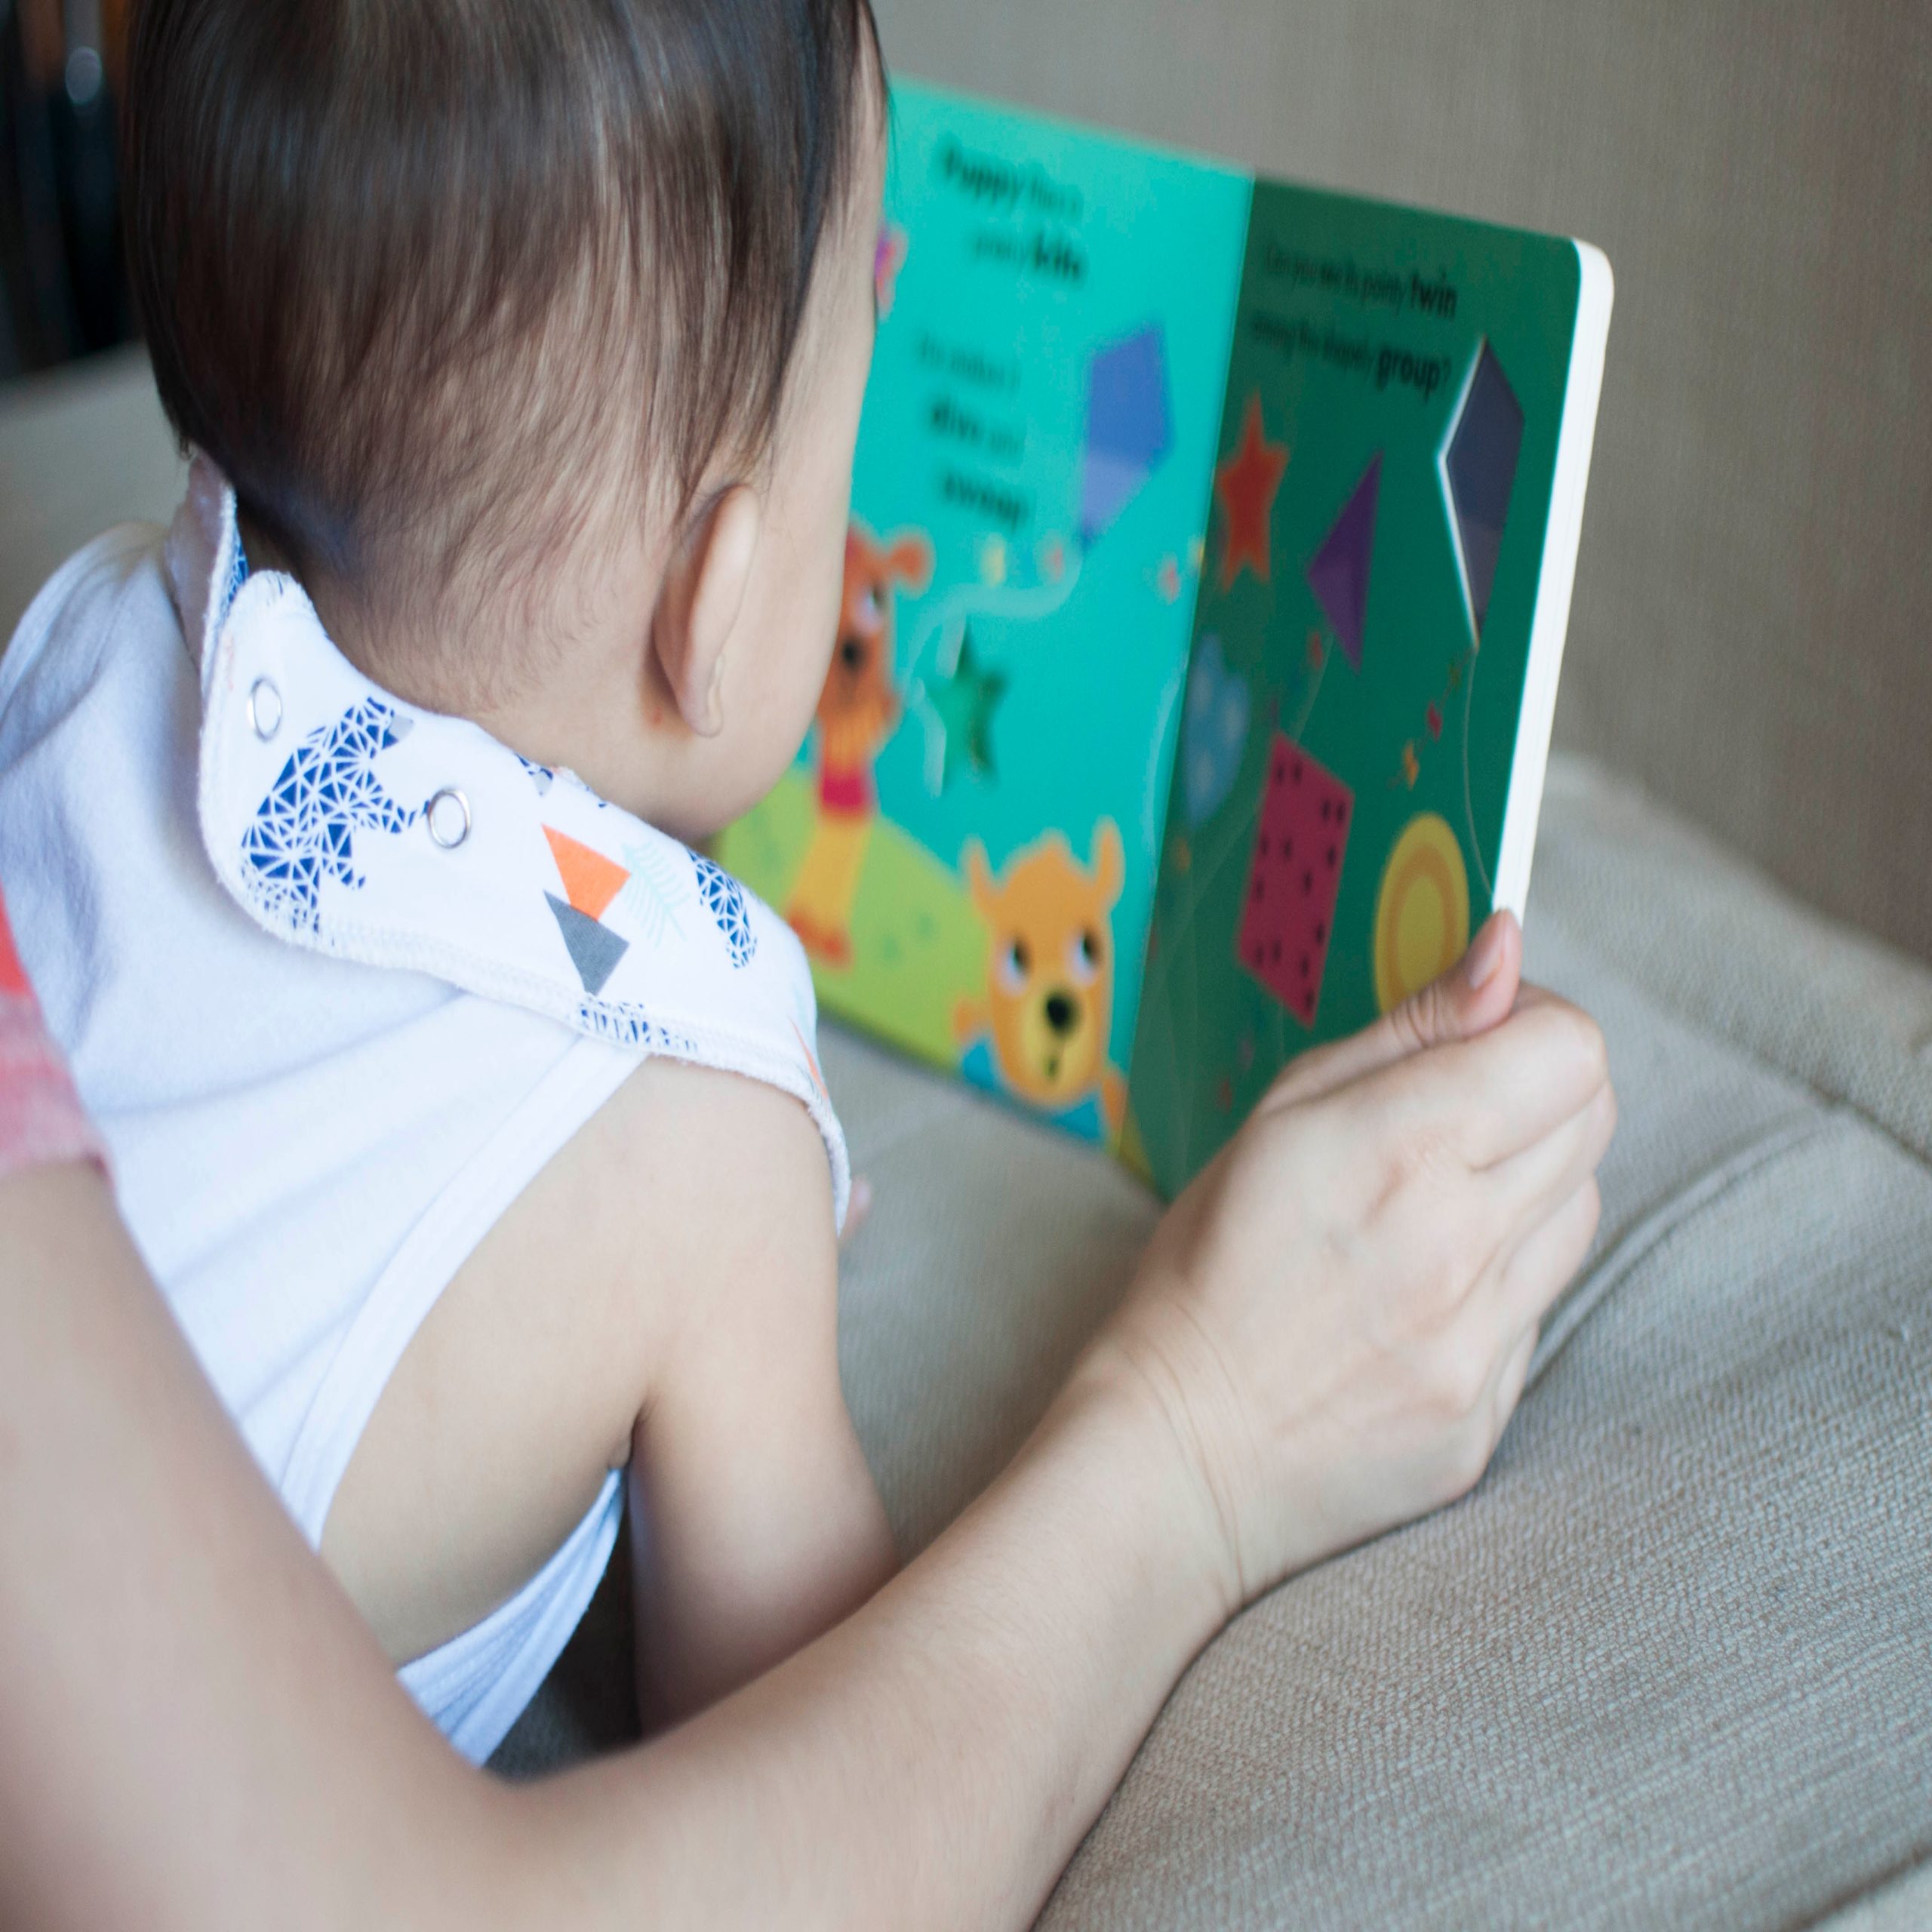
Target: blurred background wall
{"type": "Point", "coordinates": [62, 291]}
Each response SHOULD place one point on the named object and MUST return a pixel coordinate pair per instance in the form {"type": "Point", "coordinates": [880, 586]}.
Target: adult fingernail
{"type": "Point", "coordinates": [1486, 954]}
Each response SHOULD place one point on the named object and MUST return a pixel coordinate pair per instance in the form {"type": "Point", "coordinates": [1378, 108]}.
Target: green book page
{"type": "Point", "coordinates": [969, 842]}
{"type": "Point", "coordinates": [1362, 641]}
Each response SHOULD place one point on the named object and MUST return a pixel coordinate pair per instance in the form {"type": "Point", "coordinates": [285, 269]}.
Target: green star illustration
{"type": "Point", "coordinates": [963, 704]}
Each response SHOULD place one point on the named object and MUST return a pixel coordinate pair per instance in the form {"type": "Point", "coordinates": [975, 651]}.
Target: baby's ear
{"type": "Point", "coordinates": [699, 602]}
{"type": "Point", "coordinates": [1109, 861]}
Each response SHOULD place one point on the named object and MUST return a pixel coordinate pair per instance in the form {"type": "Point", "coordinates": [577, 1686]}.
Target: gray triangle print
{"type": "Point", "coordinates": [594, 950]}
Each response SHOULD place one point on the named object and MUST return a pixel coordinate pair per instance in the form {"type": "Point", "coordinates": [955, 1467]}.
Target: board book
{"type": "Point", "coordinates": [1205, 592]}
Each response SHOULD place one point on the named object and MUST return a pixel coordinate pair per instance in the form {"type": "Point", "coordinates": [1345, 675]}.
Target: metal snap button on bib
{"type": "Point", "coordinates": [264, 709]}
{"type": "Point", "coordinates": [447, 813]}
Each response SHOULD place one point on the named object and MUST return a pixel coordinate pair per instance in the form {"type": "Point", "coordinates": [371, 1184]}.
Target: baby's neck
{"type": "Point", "coordinates": [553, 706]}
{"type": "Point", "coordinates": [589, 698]}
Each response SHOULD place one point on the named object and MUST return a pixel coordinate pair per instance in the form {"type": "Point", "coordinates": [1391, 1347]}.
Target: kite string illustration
{"type": "Point", "coordinates": [1469, 801]}
{"type": "Point", "coordinates": [1202, 870]}
{"type": "Point", "coordinates": [1129, 435]}
{"type": "Point", "coordinates": [942, 634]}
{"type": "Point", "coordinates": [1240, 827]}
{"type": "Point", "coordinates": [1016, 604]}
{"type": "Point", "coordinates": [1170, 700]}
{"type": "Point", "coordinates": [1296, 731]}
{"type": "Point", "coordinates": [1200, 874]}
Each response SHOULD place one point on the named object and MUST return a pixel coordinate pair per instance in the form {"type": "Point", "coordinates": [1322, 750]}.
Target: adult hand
{"type": "Point", "coordinates": [1336, 1317]}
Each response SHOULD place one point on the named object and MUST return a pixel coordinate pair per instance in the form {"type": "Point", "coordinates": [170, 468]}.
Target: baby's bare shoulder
{"type": "Point", "coordinates": [687, 1225]}
{"type": "Point", "coordinates": [690, 1190]}
{"type": "Point", "coordinates": [726, 1168]}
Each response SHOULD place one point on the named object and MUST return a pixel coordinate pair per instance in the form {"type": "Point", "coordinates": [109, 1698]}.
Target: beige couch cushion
{"type": "Point", "coordinates": [1669, 1665]}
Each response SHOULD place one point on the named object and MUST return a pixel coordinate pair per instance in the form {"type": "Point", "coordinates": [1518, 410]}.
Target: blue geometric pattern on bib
{"type": "Point", "coordinates": [724, 900]}
{"type": "Point", "coordinates": [237, 575]}
{"type": "Point", "coordinates": [627, 1024]}
{"type": "Point", "coordinates": [301, 834]}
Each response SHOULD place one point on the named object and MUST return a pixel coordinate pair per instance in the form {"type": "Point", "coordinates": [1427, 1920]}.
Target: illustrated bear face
{"type": "Point", "coordinates": [860, 704]}
{"type": "Point", "coordinates": [1051, 977]}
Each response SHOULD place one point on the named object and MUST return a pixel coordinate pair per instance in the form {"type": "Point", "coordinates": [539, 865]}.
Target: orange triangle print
{"type": "Point", "coordinates": [591, 881]}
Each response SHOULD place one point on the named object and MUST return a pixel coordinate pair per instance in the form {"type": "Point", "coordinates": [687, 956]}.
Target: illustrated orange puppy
{"type": "Point", "coordinates": [857, 711]}
{"type": "Point", "coordinates": [1050, 999]}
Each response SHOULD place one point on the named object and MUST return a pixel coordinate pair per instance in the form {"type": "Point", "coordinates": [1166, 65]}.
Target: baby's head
{"type": "Point", "coordinates": [532, 334]}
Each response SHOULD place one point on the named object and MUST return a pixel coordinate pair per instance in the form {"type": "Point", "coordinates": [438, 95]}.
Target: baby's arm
{"type": "Point", "coordinates": [756, 1522]}
{"type": "Point", "coordinates": [665, 1292]}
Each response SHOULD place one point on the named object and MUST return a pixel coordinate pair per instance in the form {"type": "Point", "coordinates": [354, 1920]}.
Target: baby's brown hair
{"type": "Point", "coordinates": [405, 266]}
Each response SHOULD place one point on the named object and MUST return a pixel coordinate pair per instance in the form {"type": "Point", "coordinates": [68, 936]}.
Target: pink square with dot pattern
{"type": "Point", "coordinates": [1288, 913]}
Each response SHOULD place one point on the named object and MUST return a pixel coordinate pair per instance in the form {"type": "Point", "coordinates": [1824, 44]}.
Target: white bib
{"type": "Point", "coordinates": [339, 819]}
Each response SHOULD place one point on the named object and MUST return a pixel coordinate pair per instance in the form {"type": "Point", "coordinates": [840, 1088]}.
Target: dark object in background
{"type": "Point", "coordinates": [63, 285]}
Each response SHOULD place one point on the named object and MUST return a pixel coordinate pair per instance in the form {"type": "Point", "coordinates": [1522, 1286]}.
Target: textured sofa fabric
{"type": "Point", "coordinates": [1671, 1664]}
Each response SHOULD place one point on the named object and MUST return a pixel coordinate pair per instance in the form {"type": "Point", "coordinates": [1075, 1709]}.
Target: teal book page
{"type": "Point", "coordinates": [1381, 492]}
{"type": "Point", "coordinates": [968, 844]}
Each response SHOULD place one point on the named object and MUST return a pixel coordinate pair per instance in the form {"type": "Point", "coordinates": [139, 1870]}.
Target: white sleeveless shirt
{"type": "Point", "coordinates": [337, 976]}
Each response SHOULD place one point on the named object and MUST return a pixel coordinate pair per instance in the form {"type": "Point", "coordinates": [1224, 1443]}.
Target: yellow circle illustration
{"type": "Point", "coordinates": [1422, 914]}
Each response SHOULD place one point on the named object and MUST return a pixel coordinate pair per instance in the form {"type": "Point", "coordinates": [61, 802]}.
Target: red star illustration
{"type": "Point", "coordinates": [1245, 485]}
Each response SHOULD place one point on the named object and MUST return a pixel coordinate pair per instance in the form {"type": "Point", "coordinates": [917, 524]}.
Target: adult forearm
{"type": "Point", "coordinates": [934, 1760]}
{"type": "Point", "coordinates": [196, 1729]}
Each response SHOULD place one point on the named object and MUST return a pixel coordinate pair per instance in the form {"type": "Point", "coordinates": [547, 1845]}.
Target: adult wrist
{"type": "Point", "coordinates": [1129, 1392]}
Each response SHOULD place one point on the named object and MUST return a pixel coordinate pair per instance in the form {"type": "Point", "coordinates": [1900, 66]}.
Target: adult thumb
{"type": "Point", "coordinates": [1476, 994]}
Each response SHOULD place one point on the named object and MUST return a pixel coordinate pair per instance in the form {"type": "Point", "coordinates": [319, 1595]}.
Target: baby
{"type": "Point", "coordinates": [471, 1120]}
